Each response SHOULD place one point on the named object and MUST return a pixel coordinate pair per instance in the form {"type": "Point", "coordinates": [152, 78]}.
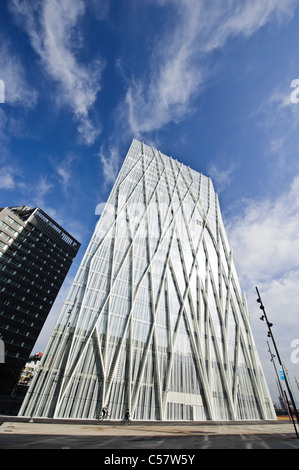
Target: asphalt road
{"type": "Point", "coordinates": [254, 441]}
{"type": "Point", "coordinates": [177, 438]}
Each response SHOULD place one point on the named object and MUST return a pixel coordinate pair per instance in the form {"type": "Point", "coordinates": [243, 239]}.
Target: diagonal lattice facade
{"type": "Point", "coordinates": [155, 320]}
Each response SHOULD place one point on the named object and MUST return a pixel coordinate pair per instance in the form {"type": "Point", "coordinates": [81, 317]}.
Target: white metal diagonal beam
{"type": "Point", "coordinates": [223, 373]}
{"type": "Point", "coordinates": [219, 260]}
{"type": "Point", "coordinates": [117, 185]}
{"type": "Point", "coordinates": [222, 315]}
{"type": "Point", "coordinates": [194, 253]}
{"type": "Point", "coordinates": [252, 366]}
{"type": "Point", "coordinates": [228, 290]}
{"type": "Point", "coordinates": [215, 293]}
{"type": "Point", "coordinates": [134, 400]}
{"type": "Point", "coordinates": [181, 199]}
{"type": "Point", "coordinates": [100, 352]}
{"type": "Point", "coordinates": [58, 340]}
{"type": "Point", "coordinates": [200, 360]}
{"type": "Point", "coordinates": [156, 251]}
{"type": "Point", "coordinates": [105, 358]}
{"type": "Point", "coordinates": [61, 343]}
{"type": "Point", "coordinates": [218, 355]}
{"type": "Point", "coordinates": [149, 342]}
{"type": "Point", "coordinates": [197, 201]}
{"type": "Point", "coordinates": [73, 350]}
{"type": "Point", "coordinates": [224, 377]}
{"type": "Point", "coordinates": [153, 307]}
{"type": "Point", "coordinates": [228, 303]}
{"type": "Point", "coordinates": [74, 347]}
{"type": "Point", "coordinates": [114, 276]}
{"type": "Point", "coordinates": [253, 376]}
{"type": "Point", "coordinates": [105, 303]}
{"type": "Point", "coordinates": [196, 348]}
{"type": "Point", "coordinates": [256, 366]}
{"type": "Point", "coordinates": [236, 361]}
{"type": "Point", "coordinates": [140, 282]}
{"type": "Point", "coordinates": [222, 324]}
{"type": "Point", "coordinates": [250, 359]}
{"type": "Point", "coordinates": [190, 274]}
{"type": "Point", "coordinates": [173, 192]}
{"type": "Point", "coordinates": [91, 331]}
{"type": "Point", "coordinates": [169, 342]}
{"type": "Point", "coordinates": [130, 352]}
{"type": "Point", "coordinates": [76, 368]}
{"type": "Point", "coordinates": [193, 250]}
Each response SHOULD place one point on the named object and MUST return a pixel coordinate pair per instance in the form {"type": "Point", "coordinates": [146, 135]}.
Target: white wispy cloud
{"type": "Point", "coordinates": [222, 173]}
{"type": "Point", "coordinates": [18, 92]}
{"type": "Point", "coordinates": [110, 160]}
{"type": "Point", "coordinates": [267, 231]}
{"type": "Point", "coordinates": [64, 169]}
{"type": "Point", "coordinates": [232, 17]}
{"type": "Point", "coordinates": [100, 9]}
{"type": "Point", "coordinates": [278, 117]}
{"type": "Point", "coordinates": [177, 70]}
{"type": "Point", "coordinates": [39, 192]}
{"type": "Point", "coordinates": [9, 178]}
{"type": "Point", "coordinates": [265, 242]}
{"type": "Point", "coordinates": [53, 28]}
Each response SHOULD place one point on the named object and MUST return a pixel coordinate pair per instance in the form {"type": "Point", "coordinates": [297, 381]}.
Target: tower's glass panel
{"type": "Point", "coordinates": [155, 320]}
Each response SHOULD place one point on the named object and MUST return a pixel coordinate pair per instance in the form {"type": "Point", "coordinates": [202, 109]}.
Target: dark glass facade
{"type": "Point", "coordinates": [35, 256]}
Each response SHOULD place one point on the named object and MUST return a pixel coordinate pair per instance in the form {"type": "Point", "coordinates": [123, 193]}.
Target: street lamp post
{"type": "Point", "coordinates": [270, 335]}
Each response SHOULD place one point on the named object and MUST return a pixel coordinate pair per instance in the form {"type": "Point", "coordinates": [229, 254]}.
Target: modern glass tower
{"type": "Point", "coordinates": [35, 256]}
{"type": "Point", "coordinates": [155, 320]}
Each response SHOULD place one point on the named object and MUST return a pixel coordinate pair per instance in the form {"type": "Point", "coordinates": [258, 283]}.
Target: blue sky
{"type": "Point", "coordinates": [205, 81]}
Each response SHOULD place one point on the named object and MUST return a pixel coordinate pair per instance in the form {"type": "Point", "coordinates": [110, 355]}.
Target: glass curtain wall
{"type": "Point", "coordinates": [155, 320]}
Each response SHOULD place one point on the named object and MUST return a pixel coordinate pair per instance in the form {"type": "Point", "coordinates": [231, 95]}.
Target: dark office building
{"type": "Point", "coordinates": [35, 256]}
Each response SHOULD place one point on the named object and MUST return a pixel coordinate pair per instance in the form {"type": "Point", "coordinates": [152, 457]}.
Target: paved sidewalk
{"type": "Point", "coordinates": [18, 433]}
